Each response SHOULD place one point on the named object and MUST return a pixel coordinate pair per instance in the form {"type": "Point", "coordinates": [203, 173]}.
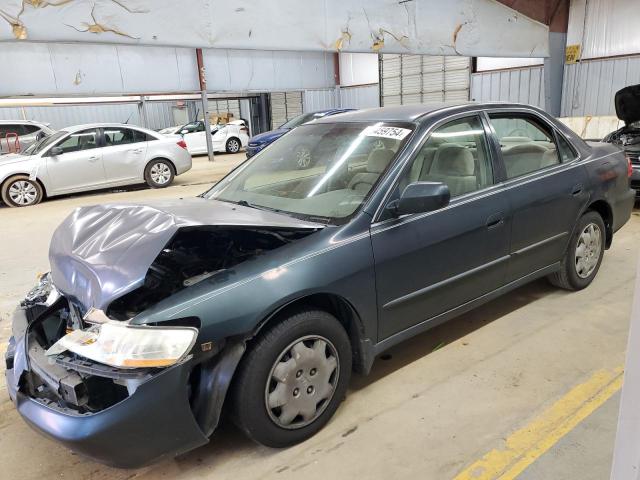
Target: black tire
{"type": "Point", "coordinates": [233, 145]}
{"type": "Point", "coordinates": [251, 390]}
{"type": "Point", "coordinates": [29, 192]}
{"type": "Point", "coordinates": [568, 277]}
{"type": "Point", "coordinates": [159, 173]}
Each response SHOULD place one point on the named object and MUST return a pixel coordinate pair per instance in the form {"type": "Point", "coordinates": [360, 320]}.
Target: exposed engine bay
{"type": "Point", "coordinates": [194, 255]}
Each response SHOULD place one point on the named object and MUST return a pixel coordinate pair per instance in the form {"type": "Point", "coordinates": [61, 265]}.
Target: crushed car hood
{"type": "Point", "coordinates": [627, 103]}
{"type": "Point", "coordinates": [101, 252]}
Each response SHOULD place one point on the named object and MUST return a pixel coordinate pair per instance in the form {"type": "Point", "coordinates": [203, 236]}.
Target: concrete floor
{"type": "Point", "coordinates": [433, 406]}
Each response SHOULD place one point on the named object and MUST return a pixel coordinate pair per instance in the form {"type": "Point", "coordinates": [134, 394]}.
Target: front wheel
{"type": "Point", "coordinates": [293, 379]}
{"type": "Point", "coordinates": [584, 255]}
{"type": "Point", "coordinates": [159, 174]}
{"type": "Point", "coordinates": [20, 191]}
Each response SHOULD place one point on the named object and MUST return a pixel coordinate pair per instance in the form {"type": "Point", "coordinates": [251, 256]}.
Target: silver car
{"type": "Point", "coordinates": [90, 157]}
{"type": "Point", "coordinates": [18, 135]}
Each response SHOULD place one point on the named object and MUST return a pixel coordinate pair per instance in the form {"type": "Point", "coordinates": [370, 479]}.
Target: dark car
{"type": "Point", "coordinates": [303, 154]}
{"type": "Point", "coordinates": [264, 293]}
{"type": "Point", "coordinates": [627, 102]}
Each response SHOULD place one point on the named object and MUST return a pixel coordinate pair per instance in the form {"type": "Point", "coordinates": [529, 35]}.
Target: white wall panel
{"type": "Point", "coordinates": [604, 27]}
{"type": "Point", "coordinates": [498, 63]}
{"type": "Point", "coordinates": [358, 68]}
{"type": "Point", "coordinates": [89, 69]}
{"type": "Point", "coordinates": [522, 85]}
{"type": "Point", "coordinates": [590, 86]}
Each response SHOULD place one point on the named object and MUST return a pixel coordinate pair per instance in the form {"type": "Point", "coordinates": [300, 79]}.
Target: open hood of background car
{"type": "Point", "coordinates": [627, 102]}
{"type": "Point", "coordinates": [102, 252]}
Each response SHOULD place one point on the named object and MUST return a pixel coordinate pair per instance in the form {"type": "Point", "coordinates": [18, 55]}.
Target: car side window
{"type": "Point", "coordinates": [567, 153]}
{"type": "Point", "coordinates": [28, 129]}
{"type": "Point", "coordinates": [455, 154]}
{"type": "Point", "coordinates": [526, 143]}
{"type": "Point", "coordinates": [120, 136]}
{"type": "Point", "coordinates": [82, 140]}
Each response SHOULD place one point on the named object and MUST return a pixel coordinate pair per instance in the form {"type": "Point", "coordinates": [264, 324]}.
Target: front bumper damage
{"type": "Point", "coordinates": [172, 411]}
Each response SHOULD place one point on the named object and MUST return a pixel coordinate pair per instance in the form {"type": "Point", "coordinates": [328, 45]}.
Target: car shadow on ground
{"type": "Point", "coordinates": [229, 441]}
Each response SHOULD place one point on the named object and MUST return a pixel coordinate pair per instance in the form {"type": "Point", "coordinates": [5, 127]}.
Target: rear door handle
{"type": "Point", "coordinates": [93, 159]}
{"type": "Point", "coordinates": [577, 189]}
{"type": "Point", "coordinates": [495, 220]}
{"type": "Point", "coordinates": [135, 150]}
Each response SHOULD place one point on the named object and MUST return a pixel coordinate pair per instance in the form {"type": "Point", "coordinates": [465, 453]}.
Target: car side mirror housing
{"type": "Point", "coordinates": [55, 151]}
{"type": "Point", "coordinates": [421, 197]}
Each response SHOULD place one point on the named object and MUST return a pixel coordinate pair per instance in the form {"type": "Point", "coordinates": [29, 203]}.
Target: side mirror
{"type": "Point", "coordinates": [55, 151]}
{"type": "Point", "coordinates": [421, 197]}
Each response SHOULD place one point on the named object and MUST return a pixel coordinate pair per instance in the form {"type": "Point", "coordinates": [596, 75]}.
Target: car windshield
{"type": "Point", "coordinates": [300, 119]}
{"type": "Point", "coordinates": [320, 172]}
{"type": "Point", "coordinates": [43, 143]}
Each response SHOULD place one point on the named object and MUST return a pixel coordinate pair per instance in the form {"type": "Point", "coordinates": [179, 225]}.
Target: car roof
{"type": "Point", "coordinates": [75, 128]}
{"type": "Point", "coordinates": [412, 113]}
{"type": "Point", "coordinates": [23, 122]}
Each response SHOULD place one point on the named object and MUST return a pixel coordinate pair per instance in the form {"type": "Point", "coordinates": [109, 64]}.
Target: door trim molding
{"type": "Point", "coordinates": [446, 281]}
{"type": "Point", "coordinates": [465, 307]}
{"type": "Point", "coordinates": [539, 244]}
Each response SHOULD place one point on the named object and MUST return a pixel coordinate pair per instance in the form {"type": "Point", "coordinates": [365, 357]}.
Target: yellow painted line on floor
{"type": "Point", "coordinates": [526, 445]}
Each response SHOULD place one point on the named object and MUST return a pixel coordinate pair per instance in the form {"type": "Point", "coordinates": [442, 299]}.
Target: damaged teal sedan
{"type": "Point", "coordinates": [267, 291]}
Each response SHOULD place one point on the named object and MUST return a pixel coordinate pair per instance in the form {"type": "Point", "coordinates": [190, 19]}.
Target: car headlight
{"type": "Point", "coordinates": [129, 346]}
{"type": "Point", "coordinates": [43, 293]}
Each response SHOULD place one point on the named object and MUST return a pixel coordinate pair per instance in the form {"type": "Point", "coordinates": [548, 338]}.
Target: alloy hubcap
{"type": "Point", "coordinates": [23, 192]}
{"type": "Point", "coordinates": [160, 173]}
{"type": "Point", "coordinates": [588, 250]}
{"type": "Point", "coordinates": [302, 382]}
{"type": "Point", "coordinates": [303, 157]}
{"type": "Point", "coordinates": [233, 146]}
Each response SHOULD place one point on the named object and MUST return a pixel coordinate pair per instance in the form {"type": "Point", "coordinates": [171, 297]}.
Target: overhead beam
{"type": "Point", "coordinates": [455, 27]}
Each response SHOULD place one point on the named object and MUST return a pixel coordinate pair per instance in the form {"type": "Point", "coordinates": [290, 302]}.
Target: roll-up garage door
{"type": "Point", "coordinates": [225, 106]}
{"type": "Point", "coordinates": [408, 79]}
{"type": "Point", "coordinates": [284, 107]}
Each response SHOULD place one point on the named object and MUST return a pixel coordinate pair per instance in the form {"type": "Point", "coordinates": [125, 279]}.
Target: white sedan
{"type": "Point", "coordinates": [90, 157]}
{"type": "Point", "coordinates": [228, 138]}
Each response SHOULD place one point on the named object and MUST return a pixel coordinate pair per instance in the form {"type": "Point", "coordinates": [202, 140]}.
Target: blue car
{"type": "Point", "coordinates": [261, 140]}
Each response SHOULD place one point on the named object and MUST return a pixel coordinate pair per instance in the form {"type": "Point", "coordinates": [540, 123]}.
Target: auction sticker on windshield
{"type": "Point", "coordinates": [396, 133]}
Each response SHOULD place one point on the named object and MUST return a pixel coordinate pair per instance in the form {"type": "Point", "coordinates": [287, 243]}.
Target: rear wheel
{"type": "Point", "coordinates": [293, 379]}
{"type": "Point", "coordinates": [159, 173]}
{"type": "Point", "coordinates": [20, 191]}
{"type": "Point", "coordinates": [584, 255]}
{"type": "Point", "coordinates": [233, 145]}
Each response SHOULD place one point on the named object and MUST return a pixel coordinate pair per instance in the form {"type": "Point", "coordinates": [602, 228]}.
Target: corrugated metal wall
{"type": "Point", "coordinates": [521, 85]}
{"type": "Point", "coordinates": [322, 99]}
{"type": "Point", "coordinates": [590, 85]}
{"type": "Point", "coordinates": [64, 116]}
{"type": "Point", "coordinates": [362, 96]}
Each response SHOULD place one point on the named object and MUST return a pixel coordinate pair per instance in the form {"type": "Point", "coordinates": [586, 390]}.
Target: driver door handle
{"type": "Point", "coordinates": [93, 158]}
{"type": "Point", "coordinates": [135, 150]}
{"type": "Point", "coordinates": [495, 220]}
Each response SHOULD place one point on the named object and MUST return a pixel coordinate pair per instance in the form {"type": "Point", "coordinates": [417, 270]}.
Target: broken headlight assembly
{"type": "Point", "coordinates": [44, 293]}
{"type": "Point", "coordinates": [128, 346]}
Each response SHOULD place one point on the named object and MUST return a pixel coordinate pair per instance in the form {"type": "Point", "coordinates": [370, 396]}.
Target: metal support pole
{"type": "Point", "coordinates": [205, 103]}
{"type": "Point", "coordinates": [142, 111]}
